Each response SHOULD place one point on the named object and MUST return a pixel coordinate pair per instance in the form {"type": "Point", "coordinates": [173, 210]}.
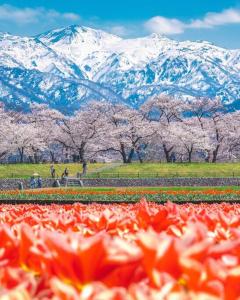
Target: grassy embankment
{"type": "Point", "coordinates": [133, 170]}
{"type": "Point", "coordinates": [27, 170]}
{"type": "Point", "coordinates": [147, 170]}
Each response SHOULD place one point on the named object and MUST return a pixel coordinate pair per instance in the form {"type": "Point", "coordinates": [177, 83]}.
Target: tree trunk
{"type": "Point", "coordinates": [215, 151]}
{"type": "Point", "coordinates": [189, 157]}
{"type": "Point", "coordinates": [52, 155]}
{"type": "Point", "coordinates": [215, 154]}
{"type": "Point", "coordinates": [123, 153]}
{"type": "Point", "coordinates": [2, 154]}
{"type": "Point", "coordinates": [167, 153]}
{"type": "Point", "coordinates": [36, 158]}
{"type": "Point", "coordinates": [21, 153]}
{"type": "Point", "coordinates": [190, 151]}
{"type": "Point", "coordinates": [84, 166]}
{"type": "Point", "coordinates": [81, 152]}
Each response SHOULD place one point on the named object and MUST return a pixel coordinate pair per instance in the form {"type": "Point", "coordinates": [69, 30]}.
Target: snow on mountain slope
{"type": "Point", "coordinates": [80, 44]}
{"type": "Point", "coordinates": [125, 70]}
{"type": "Point", "coordinates": [31, 53]}
{"type": "Point", "coordinates": [19, 88]}
{"type": "Point", "coordinates": [183, 73]}
{"type": "Point", "coordinates": [83, 45]}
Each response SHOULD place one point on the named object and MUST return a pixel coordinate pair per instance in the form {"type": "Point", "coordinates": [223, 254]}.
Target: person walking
{"type": "Point", "coordinates": [84, 165]}
{"type": "Point", "coordinates": [66, 173]}
{"type": "Point", "coordinates": [52, 171]}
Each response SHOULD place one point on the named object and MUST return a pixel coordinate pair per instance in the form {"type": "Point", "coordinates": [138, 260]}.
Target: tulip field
{"type": "Point", "coordinates": [112, 194]}
{"type": "Point", "coordinates": [142, 251]}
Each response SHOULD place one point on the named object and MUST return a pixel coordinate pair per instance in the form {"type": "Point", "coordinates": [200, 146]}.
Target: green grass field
{"type": "Point", "coordinates": [26, 170]}
{"type": "Point", "coordinates": [134, 170]}
{"type": "Point", "coordinates": [149, 170]}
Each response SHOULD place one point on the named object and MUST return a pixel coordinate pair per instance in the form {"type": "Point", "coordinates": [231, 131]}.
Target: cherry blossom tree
{"type": "Point", "coordinates": [161, 111]}
{"type": "Point", "coordinates": [189, 137]}
{"type": "Point", "coordinates": [127, 132]}
{"type": "Point", "coordinates": [6, 123]}
{"type": "Point", "coordinates": [211, 115]}
{"type": "Point", "coordinates": [48, 122]}
{"type": "Point", "coordinates": [162, 128]}
{"type": "Point", "coordinates": [25, 140]}
{"type": "Point", "coordinates": [81, 132]}
{"type": "Point", "coordinates": [231, 147]}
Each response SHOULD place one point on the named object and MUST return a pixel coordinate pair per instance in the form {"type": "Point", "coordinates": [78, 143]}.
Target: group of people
{"type": "Point", "coordinates": [36, 182]}
{"type": "Point", "coordinates": [53, 172]}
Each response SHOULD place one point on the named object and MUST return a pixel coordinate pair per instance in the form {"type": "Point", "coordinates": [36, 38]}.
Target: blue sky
{"type": "Point", "coordinates": [217, 21]}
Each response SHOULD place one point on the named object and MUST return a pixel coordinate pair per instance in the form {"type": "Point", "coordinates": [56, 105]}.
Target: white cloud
{"type": "Point", "coordinates": [164, 25]}
{"type": "Point", "coordinates": [41, 19]}
{"type": "Point", "coordinates": [168, 26]}
{"type": "Point", "coordinates": [228, 16]}
{"type": "Point", "coordinates": [10, 13]}
{"type": "Point", "coordinates": [23, 16]}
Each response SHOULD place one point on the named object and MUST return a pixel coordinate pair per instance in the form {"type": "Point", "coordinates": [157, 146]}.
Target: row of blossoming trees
{"type": "Point", "coordinates": [163, 129]}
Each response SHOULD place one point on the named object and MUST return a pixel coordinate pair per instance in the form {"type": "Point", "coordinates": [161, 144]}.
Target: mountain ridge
{"type": "Point", "coordinates": [131, 70]}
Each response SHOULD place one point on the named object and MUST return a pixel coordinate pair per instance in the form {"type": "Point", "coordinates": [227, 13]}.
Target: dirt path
{"type": "Point", "coordinates": [104, 168]}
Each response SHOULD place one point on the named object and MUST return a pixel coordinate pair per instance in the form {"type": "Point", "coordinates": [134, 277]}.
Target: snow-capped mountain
{"type": "Point", "coordinates": [69, 66]}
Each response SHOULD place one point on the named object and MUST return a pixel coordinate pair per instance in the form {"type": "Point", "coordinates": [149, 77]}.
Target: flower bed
{"type": "Point", "coordinates": [123, 195]}
{"type": "Point", "coordinates": [127, 252]}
